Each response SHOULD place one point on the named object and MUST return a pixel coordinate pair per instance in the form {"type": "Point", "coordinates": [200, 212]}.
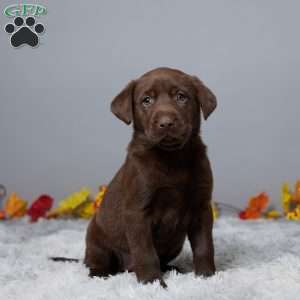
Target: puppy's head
{"type": "Point", "coordinates": [164, 106]}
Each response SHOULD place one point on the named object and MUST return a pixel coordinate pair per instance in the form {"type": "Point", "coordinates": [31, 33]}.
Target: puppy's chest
{"type": "Point", "coordinates": [165, 175]}
{"type": "Point", "coordinates": [169, 203]}
{"type": "Point", "coordinates": [169, 211]}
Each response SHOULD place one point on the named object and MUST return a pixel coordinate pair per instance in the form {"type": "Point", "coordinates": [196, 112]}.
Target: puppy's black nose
{"type": "Point", "coordinates": [166, 122]}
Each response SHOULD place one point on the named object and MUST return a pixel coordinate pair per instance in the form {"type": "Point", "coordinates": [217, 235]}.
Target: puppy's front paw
{"type": "Point", "coordinates": [205, 273]}
{"type": "Point", "coordinates": [151, 280]}
{"type": "Point", "coordinates": [150, 277]}
{"type": "Point", "coordinates": [205, 270]}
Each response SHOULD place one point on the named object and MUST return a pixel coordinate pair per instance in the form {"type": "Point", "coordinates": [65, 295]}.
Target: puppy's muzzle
{"type": "Point", "coordinates": [168, 131]}
{"type": "Point", "coordinates": [166, 123]}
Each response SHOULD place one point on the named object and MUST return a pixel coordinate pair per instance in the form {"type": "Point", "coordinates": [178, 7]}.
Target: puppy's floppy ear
{"type": "Point", "coordinates": [206, 98]}
{"type": "Point", "coordinates": [121, 105]}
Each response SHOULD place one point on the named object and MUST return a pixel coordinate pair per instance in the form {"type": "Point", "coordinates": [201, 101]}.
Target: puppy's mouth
{"type": "Point", "coordinates": [170, 143]}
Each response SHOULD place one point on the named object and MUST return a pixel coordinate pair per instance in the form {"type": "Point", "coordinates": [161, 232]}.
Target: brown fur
{"type": "Point", "coordinates": [162, 192]}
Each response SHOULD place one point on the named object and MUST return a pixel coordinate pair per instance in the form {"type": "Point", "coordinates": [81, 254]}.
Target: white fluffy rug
{"type": "Point", "coordinates": [255, 260]}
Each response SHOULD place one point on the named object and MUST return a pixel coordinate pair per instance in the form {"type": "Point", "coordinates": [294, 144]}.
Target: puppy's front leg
{"type": "Point", "coordinates": [142, 251]}
{"type": "Point", "coordinates": [200, 228]}
{"type": "Point", "coordinates": [200, 236]}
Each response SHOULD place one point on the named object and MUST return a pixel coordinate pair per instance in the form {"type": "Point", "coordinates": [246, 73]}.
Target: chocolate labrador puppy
{"type": "Point", "coordinates": [162, 192]}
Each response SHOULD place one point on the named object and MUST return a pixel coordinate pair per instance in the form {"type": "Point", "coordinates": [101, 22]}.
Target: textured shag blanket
{"type": "Point", "coordinates": [255, 260]}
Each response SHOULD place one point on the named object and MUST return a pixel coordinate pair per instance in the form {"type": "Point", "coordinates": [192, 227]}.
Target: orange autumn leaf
{"type": "Point", "coordinates": [255, 207]}
{"type": "Point", "coordinates": [15, 206]}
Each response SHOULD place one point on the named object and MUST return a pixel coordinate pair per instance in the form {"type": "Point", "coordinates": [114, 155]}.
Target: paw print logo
{"type": "Point", "coordinates": [24, 32]}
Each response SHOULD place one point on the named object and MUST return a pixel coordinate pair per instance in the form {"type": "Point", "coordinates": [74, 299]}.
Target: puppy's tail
{"type": "Point", "coordinates": [64, 259]}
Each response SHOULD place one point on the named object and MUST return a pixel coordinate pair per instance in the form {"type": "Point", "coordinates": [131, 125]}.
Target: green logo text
{"type": "Point", "coordinates": [16, 10]}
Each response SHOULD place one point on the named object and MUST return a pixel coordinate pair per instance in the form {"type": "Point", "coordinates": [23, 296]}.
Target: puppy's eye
{"type": "Point", "coordinates": [147, 100]}
{"type": "Point", "coordinates": [181, 97]}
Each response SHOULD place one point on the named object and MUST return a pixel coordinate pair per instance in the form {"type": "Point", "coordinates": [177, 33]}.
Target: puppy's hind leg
{"type": "Point", "coordinates": [99, 257]}
{"type": "Point", "coordinates": [101, 262]}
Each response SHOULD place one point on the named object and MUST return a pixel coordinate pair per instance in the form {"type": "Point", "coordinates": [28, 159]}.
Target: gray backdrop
{"type": "Point", "coordinates": [56, 130]}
